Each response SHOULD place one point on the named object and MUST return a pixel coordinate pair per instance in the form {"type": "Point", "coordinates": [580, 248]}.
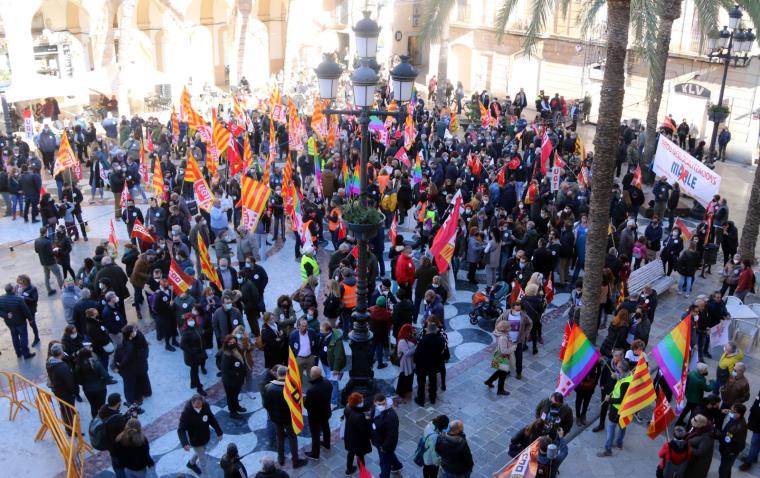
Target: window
{"type": "Point", "coordinates": [413, 48]}
{"type": "Point", "coordinates": [463, 11]}
{"type": "Point", "coordinates": [416, 14]}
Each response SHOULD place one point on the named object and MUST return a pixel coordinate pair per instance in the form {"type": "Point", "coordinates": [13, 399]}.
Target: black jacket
{"type": "Point", "coordinates": [44, 249]}
{"type": "Point", "coordinates": [91, 375]}
{"type": "Point", "coordinates": [61, 379]}
{"type": "Point", "coordinates": [456, 457]}
{"type": "Point", "coordinates": [194, 426]}
{"type": "Point", "coordinates": [192, 347]}
{"type": "Point", "coordinates": [617, 337]}
{"type": "Point", "coordinates": [385, 429]}
{"type": "Point", "coordinates": [356, 437]}
{"type": "Point", "coordinates": [564, 414]}
{"type": "Point", "coordinates": [118, 279]}
{"type": "Point", "coordinates": [733, 437]}
{"type": "Point", "coordinates": [317, 400]}
{"type": "Point", "coordinates": [114, 422]}
{"type": "Point", "coordinates": [753, 423]}
{"type": "Point", "coordinates": [275, 404]}
{"type": "Point", "coordinates": [13, 310]}
{"type": "Point", "coordinates": [132, 356]}
{"type": "Point", "coordinates": [233, 369]}
{"type": "Point", "coordinates": [428, 357]}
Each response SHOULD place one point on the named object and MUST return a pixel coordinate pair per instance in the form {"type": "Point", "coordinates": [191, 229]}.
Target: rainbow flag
{"type": "Point", "coordinates": [355, 183]}
{"type": "Point", "coordinates": [579, 358]}
{"type": "Point", "coordinates": [318, 169]}
{"type": "Point", "coordinates": [672, 355]}
{"type": "Point", "coordinates": [417, 171]}
{"type": "Point", "coordinates": [639, 395]}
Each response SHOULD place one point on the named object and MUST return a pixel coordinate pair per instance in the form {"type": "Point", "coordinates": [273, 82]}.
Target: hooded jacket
{"type": "Point", "coordinates": [456, 457]}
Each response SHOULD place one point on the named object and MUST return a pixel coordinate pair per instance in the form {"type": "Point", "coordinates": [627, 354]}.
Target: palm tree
{"type": "Point", "coordinates": [610, 110]}
{"type": "Point", "coordinates": [751, 221]}
{"type": "Point", "coordinates": [436, 28]}
{"type": "Point", "coordinates": [242, 10]}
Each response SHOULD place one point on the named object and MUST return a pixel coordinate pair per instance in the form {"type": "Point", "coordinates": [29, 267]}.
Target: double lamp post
{"type": "Point", "coordinates": [364, 81]}
{"type": "Point", "coordinates": [732, 44]}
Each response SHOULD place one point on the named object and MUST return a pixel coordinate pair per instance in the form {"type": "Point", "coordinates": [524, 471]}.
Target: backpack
{"type": "Point", "coordinates": [331, 306]}
{"type": "Point", "coordinates": [420, 451]}
{"type": "Point", "coordinates": [98, 433]}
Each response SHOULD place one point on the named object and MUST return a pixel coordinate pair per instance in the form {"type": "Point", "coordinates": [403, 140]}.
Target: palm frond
{"type": "Point", "coordinates": [502, 17]}
{"type": "Point", "coordinates": [541, 10]}
{"type": "Point", "coordinates": [435, 14]}
{"type": "Point", "coordinates": [587, 15]}
{"type": "Point", "coordinates": [707, 13]}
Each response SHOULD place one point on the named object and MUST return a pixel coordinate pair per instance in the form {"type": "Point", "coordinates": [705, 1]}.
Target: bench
{"type": "Point", "coordinates": [650, 274]}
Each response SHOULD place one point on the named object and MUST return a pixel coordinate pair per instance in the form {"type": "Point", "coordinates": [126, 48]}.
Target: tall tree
{"type": "Point", "coordinates": [436, 28]}
{"type": "Point", "coordinates": [748, 240]}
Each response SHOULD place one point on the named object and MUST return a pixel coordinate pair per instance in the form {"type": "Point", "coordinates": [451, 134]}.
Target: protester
{"type": "Point", "coordinates": [193, 431]}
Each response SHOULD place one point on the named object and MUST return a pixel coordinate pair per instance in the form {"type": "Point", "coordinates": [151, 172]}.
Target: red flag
{"type": "Point", "coordinates": [233, 157]}
{"type": "Point", "coordinates": [401, 156]}
{"type": "Point", "coordinates": [546, 151]}
{"type": "Point", "coordinates": [637, 176]}
{"type": "Point", "coordinates": [565, 338]}
{"type": "Point", "coordinates": [559, 162]}
{"type": "Point", "coordinates": [363, 472]}
{"type": "Point", "coordinates": [661, 417]}
{"type": "Point", "coordinates": [125, 195]}
{"type": "Point", "coordinates": [355, 252]}
{"type": "Point", "coordinates": [514, 163]}
{"type": "Point", "coordinates": [140, 233]}
{"type": "Point", "coordinates": [475, 165]}
{"type": "Point", "coordinates": [149, 142]}
{"type": "Point", "coordinates": [517, 292]}
{"type": "Point", "coordinates": [342, 233]}
{"type": "Point", "coordinates": [549, 290]}
{"type": "Point", "coordinates": [442, 247]}
{"type": "Point", "coordinates": [179, 281]}
{"type": "Point", "coordinates": [112, 237]}
{"type": "Point", "coordinates": [500, 178]}
{"type": "Point", "coordinates": [393, 231]}
{"type": "Point", "coordinates": [683, 228]}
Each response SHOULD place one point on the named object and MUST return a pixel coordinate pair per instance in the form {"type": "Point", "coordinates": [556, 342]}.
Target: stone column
{"type": "Point", "coordinates": [17, 21]}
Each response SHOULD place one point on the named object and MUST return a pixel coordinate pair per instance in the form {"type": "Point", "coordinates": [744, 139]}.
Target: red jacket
{"type": "Point", "coordinates": [405, 270]}
{"type": "Point", "coordinates": [746, 277]}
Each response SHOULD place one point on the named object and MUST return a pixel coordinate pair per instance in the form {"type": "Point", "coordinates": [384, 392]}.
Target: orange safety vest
{"type": "Point", "coordinates": [306, 227]}
{"type": "Point", "coordinates": [421, 213]}
{"type": "Point", "coordinates": [349, 296]}
{"type": "Point", "coordinates": [332, 226]}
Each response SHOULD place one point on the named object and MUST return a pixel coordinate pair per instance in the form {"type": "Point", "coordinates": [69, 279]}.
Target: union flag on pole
{"type": "Point", "coordinates": [65, 157]}
{"type": "Point", "coordinates": [140, 233]}
{"type": "Point", "coordinates": [179, 281]}
{"type": "Point", "coordinates": [233, 157]}
{"type": "Point", "coordinates": [661, 417]}
{"type": "Point", "coordinates": [143, 168]}
{"type": "Point", "coordinates": [125, 195]}
{"type": "Point", "coordinates": [393, 231]}
{"type": "Point", "coordinates": [206, 267]}
{"type": "Point", "coordinates": [443, 242]}
{"type": "Point", "coordinates": [546, 150]}
{"type": "Point", "coordinates": [292, 393]}
{"type": "Point", "coordinates": [112, 237]}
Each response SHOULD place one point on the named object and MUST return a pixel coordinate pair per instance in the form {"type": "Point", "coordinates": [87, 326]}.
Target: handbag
{"type": "Point", "coordinates": [500, 362]}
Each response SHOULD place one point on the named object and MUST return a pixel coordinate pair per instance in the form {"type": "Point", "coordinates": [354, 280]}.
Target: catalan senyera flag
{"type": "Point", "coordinates": [192, 171]}
{"type": "Point", "coordinates": [179, 281]}
{"type": "Point", "coordinates": [442, 247]}
{"type": "Point", "coordinates": [65, 158]}
{"type": "Point", "coordinates": [318, 118]}
{"type": "Point", "coordinates": [639, 395]}
{"type": "Point", "coordinates": [220, 135]}
{"type": "Point", "coordinates": [193, 118]}
{"type": "Point", "coordinates": [158, 180]}
{"type": "Point", "coordinates": [580, 149]}
{"type": "Point", "coordinates": [112, 236]}
{"type": "Point", "coordinates": [578, 359]}
{"type": "Point", "coordinates": [247, 153]}
{"type": "Point", "coordinates": [254, 194]}
{"type": "Point", "coordinates": [409, 131]}
{"type": "Point", "coordinates": [175, 126]}
{"type": "Point", "coordinates": [206, 266]}
{"type": "Point", "coordinates": [267, 168]}
{"type": "Point", "coordinates": [140, 233]}
{"type": "Point", "coordinates": [292, 393]}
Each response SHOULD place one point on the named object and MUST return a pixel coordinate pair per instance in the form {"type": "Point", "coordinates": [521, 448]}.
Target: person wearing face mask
{"type": "Point", "coordinates": [165, 315]}
{"type": "Point", "coordinates": [131, 362]}
{"type": "Point", "coordinates": [157, 217]}
{"type": "Point", "coordinates": [357, 432]}
{"type": "Point", "coordinates": [228, 275]}
{"type": "Point", "coordinates": [233, 368]}
{"type": "Point", "coordinates": [731, 356]}
{"type": "Point", "coordinates": [226, 318]}
{"type": "Point", "coordinates": [92, 377]}
{"type": "Point", "coordinates": [733, 439]}
{"type": "Point", "coordinates": [607, 380]}
{"type": "Point", "coordinates": [671, 250]}
{"type": "Point", "coordinates": [730, 273]}
{"type": "Point", "coordinates": [735, 391]}
{"type": "Point", "coordinates": [615, 400]}
{"type": "Point", "coordinates": [702, 442]}
{"type": "Point", "coordinates": [385, 435]}
{"type": "Point", "coordinates": [194, 354]}
{"type": "Point", "coordinates": [696, 386]}
{"type": "Point", "coordinates": [194, 424]}
{"type": "Point", "coordinates": [116, 180]}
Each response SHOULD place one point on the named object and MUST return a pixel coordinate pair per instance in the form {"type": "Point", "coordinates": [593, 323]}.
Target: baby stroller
{"type": "Point", "coordinates": [486, 303]}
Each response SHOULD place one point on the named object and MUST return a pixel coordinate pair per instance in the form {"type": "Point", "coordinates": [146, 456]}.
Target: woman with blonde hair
{"type": "Point", "coordinates": [534, 305]}
{"type": "Point", "coordinates": [245, 346]}
{"type": "Point", "coordinates": [331, 307]}
{"type": "Point", "coordinates": [503, 357]}
{"type": "Point", "coordinates": [133, 450]}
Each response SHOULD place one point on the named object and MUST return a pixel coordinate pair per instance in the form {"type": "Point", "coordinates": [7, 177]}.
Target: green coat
{"type": "Point", "coordinates": [336, 354]}
{"type": "Point", "coordinates": [182, 305]}
{"type": "Point", "coordinates": [696, 386]}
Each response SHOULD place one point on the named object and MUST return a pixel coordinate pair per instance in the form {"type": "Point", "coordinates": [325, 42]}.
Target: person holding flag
{"type": "Point", "coordinates": [615, 400]}
{"type": "Point", "coordinates": [279, 409]}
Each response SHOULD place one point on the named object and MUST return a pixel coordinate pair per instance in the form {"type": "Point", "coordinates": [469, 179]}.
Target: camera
{"type": "Point", "coordinates": [132, 410]}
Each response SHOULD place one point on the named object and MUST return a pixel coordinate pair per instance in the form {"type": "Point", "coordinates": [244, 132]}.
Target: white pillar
{"type": "Point", "coordinates": [17, 21]}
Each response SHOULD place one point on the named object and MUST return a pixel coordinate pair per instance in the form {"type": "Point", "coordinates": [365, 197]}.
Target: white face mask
{"type": "Point", "coordinates": [379, 408]}
{"type": "Point", "coordinates": [191, 323]}
{"type": "Point", "coordinates": [74, 335]}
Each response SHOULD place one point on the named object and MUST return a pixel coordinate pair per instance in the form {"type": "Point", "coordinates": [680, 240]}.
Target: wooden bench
{"type": "Point", "coordinates": [650, 274]}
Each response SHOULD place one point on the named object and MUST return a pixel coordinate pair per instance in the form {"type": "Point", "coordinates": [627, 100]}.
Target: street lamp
{"type": "Point", "coordinates": [730, 44]}
{"type": "Point", "coordinates": [364, 81]}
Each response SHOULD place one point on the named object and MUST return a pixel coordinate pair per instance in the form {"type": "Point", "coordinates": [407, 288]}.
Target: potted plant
{"type": "Point", "coordinates": [363, 221]}
{"type": "Point", "coordinates": [718, 113]}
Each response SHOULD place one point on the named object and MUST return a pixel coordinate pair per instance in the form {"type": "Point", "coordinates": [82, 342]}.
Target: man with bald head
{"type": "Point", "coordinates": [317, 404]}
{"type": "Point", "coordinates": [452, 447]}
{"type": "Point", "coordinates": [736, 390]}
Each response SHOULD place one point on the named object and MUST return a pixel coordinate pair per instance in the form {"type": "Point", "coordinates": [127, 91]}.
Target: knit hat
{"type": "Point", "coordinates": [381, 301]}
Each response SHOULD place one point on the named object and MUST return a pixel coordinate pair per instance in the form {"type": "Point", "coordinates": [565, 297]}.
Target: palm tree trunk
{"type": "Point", "coordinates": [244, 10]}
{"type": "Point", "coordinates": [667, 17]}
{"type": "Point", "coordinates": [602, 169]}
{"type": "Point", "coordinates": [752, 220]}
{"type": "Point", "coordinates": [443, 66]}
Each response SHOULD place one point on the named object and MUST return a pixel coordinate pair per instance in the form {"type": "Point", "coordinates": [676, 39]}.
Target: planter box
{"type": "Point", "coordinates": [363, 232]}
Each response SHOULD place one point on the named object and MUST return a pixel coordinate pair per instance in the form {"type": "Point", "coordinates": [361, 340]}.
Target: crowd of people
{"type": "Point", "coordinates": [513, 225]}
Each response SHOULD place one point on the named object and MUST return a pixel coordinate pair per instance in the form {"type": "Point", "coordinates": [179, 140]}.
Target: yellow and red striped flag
{"type": "Point", "coordinates": [158, 181]}
{"type": "Point", "coordinates": [192, 171]}
{"type": "Point", "coordinates": [640, 393]}
{"type": "Point", "coordinates": [203, 193]}
{"type": "Point", "coordinates": [65, 157]}
{"type": "Point", "coordinates": [220, 134]}
{"type": "Point", "coordinates": [292, 393]}
{"type": "Point", "coordinates": [247, 153]}
{"type": "Point", "coordinates": [143, 168]}
{"type": "Point", "coordinates": [318, 118]}
{"type": "Point", "coordinates": [254, 194]}
{"type": "Point", "coordinates": [267, 168]}
{"type": "Point", "coordinates": [175, 126]}
{"type": "Point", "coordinates": [206, 267]}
